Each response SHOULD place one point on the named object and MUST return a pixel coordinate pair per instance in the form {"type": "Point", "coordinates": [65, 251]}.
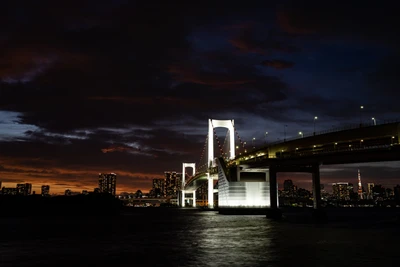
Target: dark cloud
{"type": "Point", "coordinates": [277, 64]}
{"type": "Point", "coordinates": [369, 21]}
{"type": "Point", "coordinates": [249, 42]}
{"type": "Point", "coordinates": [385, 77]}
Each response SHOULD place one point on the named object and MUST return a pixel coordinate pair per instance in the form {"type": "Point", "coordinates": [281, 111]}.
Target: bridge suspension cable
{"type": "Point", "coordinates": [219, 144]}
{"type": "Point", "coordinates": [202, 165]}
{"type": "Point", "coordinates": [225, 153]}
{"type": "Point", "coordinates": [242, 144]}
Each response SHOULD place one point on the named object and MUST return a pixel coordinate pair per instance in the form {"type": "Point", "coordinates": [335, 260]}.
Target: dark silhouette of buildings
{"type": "Point", "coordinates": [24, 189]}
{"type": "Point", "coordinates": [158, 189]}
{"type": "Point", "coordinates": [108, 183]}
{"type": "Point", "coordinates": [45, 190]}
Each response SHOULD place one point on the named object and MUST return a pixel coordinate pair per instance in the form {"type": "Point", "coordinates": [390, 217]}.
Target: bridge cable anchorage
{"type": "Point", "coordinates": [202, 164]}
{"type": "Point", "coordinates": [240, 140]}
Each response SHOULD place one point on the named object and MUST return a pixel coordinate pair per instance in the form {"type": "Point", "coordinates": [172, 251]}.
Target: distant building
{"type": "Point", "coordinates": [396, 191]}
{"type": "Point", "coordinates": [108, 183]}
{"type": "Point", "coordinates": [370, 193]}
{"type": "Point", "coordinates": [172, 183]}
{"type": "Point", "coordinates": [96, 190]}
{"type": "Point", "coordinates": [85, 192]}
{"type": "Point", "coordinates": [9, 191]}
{"type": "Point", "coordinates": [342, 191]}
{"type": "Point", "coordinates": [24, 189]}
{"type": "Point", "coordinates": [158, 187]}
{"type": "Point", "coordinates": [201, 194]}
{"type": "Point", "coordinates": [45, 190]}
{"type": "Point", "coordinates": [288, 185]}
{"type": "Point", "coordinates": [289, 188]}
{"type": "Point", "coordinates": [379, 192]}
{"type": "Point", "coordinates": [68, 192]}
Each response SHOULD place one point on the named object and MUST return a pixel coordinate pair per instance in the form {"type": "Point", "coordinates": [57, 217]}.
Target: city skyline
{"type": "Point", "coordinates": [128, 88]}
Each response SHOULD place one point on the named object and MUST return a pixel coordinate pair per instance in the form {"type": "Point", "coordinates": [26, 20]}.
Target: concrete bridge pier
{"type": "Point", "coordinates": [318, 213]}
{"type": "Point", "coordinates": [210, 191]}
{"type": "Point", "coordinates": [316, 184]}
{"type": "Point", "coordinates": [273, 212]}
{"type": "Point", "coordinates": [194, 198]}
{"type": "Point", "coordinates": [183, 199]}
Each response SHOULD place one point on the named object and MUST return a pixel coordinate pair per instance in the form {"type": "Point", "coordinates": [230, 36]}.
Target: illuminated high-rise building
{"type": "Point", "coordinates": [45, 190]}
{"type": "Point", "coordinates": [201, 194]}
{"type": "Point", "coordinates": [360, 191]}
{"type": "Point", "coordinates": [159, 187]}
{"type": "Point", "coordinates": [172, 183]}
{"type": "Point", "coordinates": [24, 189]}
{"type": "Point", "coordinates": [370, 190]}
{"type": "Point", "coordinates": [342, 190]}
{"type": "Point", "coordinates": [108, 183]}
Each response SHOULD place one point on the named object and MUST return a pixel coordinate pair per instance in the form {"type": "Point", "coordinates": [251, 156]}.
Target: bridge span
{"type": "Point", "coordinates": [249, 180]}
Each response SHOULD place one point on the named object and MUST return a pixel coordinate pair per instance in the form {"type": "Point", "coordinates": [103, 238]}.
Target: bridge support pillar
{"type": "Point", "coordinates": [194, 198]}
{"type": "Point", "coordinates": [210, 191]}
{"type": "Point", "coordinates": [316, 183]}
{"type": "Point", "coordinates": [273, 212]}
{"type": "Point", "coordinates": [183, 199]}
{"type": "Point", "coordinates": [318, 213]}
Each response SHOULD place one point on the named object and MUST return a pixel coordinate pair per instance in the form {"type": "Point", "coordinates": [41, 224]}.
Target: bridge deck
{"type": "Point", "coordinates": [363, 144]}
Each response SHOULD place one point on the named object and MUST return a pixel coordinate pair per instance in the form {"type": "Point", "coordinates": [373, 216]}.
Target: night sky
{"type": "Point", "coordinates": [128, 86]}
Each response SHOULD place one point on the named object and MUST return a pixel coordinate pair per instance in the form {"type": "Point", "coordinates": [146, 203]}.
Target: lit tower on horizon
{"type": "Point", "coordinates": [360, 191]}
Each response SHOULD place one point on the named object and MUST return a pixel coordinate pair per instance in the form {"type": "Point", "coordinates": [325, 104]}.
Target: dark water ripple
{"type": "Point", "coordinates": [155, 237]}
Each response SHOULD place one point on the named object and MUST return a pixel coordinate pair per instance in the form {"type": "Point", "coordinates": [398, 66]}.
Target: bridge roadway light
{"type": "Point", "coordinates": [253, 142]}
{"type": "Point", "coordinates": [266, 133]}
{"type": "Point", "coordinates": [361, 108]}
{"type": "Point", "coordinates": [315, 118]}
{"type": "Point", "coordinates": [373, 119]}
{"type": "Point", "coordinates": [301, 133]}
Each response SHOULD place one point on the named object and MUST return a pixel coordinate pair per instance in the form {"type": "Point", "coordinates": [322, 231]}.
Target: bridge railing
{"type": "Point", "coordinates": [211, 170]}
{"type": "Point", "coordinates": [333, 130]}
{"type": "Point", "coordinates": [299, 154]}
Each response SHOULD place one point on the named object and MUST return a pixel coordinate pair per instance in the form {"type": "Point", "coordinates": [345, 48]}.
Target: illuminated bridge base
{"type": "Point", "coordinates": [244, 192]}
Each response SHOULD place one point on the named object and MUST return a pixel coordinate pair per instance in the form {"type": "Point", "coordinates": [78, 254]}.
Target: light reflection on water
{"type": "Point", "coordinates": [190, 238]}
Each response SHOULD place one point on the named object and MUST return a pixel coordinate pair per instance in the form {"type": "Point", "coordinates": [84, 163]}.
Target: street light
{"type": "Point", "coordinates": [361, 108]}
{"type": "Point", "coordinates": [253, 142]}
{"type": "Point", "coordinates": [266, 133]}
{"type": "Point", "coordinates": [301, 133]}
{"type": "Point", "coordinates": [315, 118]}
{"type": "Point", "coordinates": [374, 121]}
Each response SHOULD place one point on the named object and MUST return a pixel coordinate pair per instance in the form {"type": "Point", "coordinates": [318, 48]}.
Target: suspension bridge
{"type": "Point", "coordinates": [248, 178]}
